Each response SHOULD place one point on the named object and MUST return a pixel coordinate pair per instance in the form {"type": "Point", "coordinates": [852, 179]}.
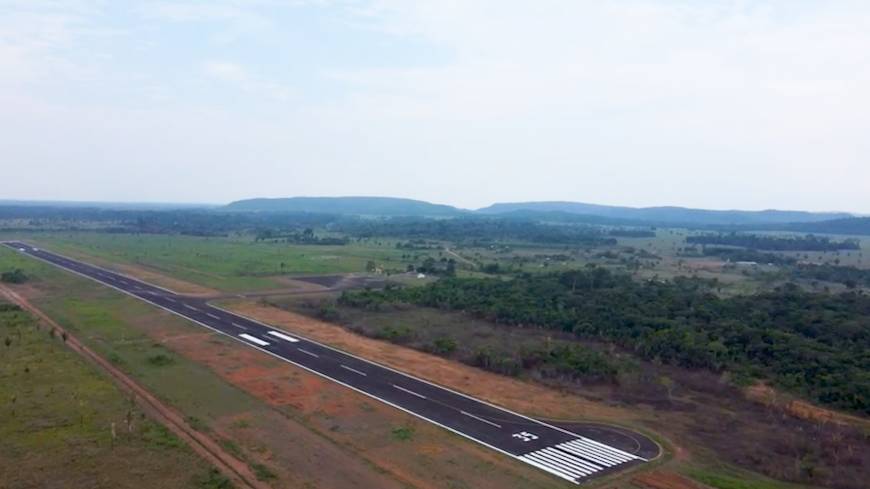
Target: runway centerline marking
{"type": "Point", "coordinates": [283, 336]}
{"type": "Point", "coordinates": [240, 326]}
{"type": "Point", "coordinates": [481, 419]}
{"type": "Point", "coordinates": [254, 339]}
{"type": "Point", "coordinates": [212, 316]}
{"type": "Point", "coordinates": [354, 370]}
{"type": "Point", "coordinates": [409, 392]}
{"type": "Point", "coordinates": [309, 353]}
{"type": "Point", "coordinates": [171, 300]}
{"type": "Point", "coordinates": [190, 307]}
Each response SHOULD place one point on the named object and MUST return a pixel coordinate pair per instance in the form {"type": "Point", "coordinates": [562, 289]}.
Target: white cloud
{"type": "Point", "coordinates": [240, 77]}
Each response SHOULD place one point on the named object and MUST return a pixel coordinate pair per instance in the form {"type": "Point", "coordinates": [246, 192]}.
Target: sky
{"type": "Point", "coordinates": [719, 104]}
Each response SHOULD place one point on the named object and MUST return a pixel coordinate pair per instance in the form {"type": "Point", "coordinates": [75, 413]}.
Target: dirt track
{"type": "Point", "coordinates": [231, 467]}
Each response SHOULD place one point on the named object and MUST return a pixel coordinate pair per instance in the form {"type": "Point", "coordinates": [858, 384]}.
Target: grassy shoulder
{"type": "Point", "coordinates": [58, 418]}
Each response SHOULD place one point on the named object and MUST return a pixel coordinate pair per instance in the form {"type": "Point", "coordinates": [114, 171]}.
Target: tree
{"type": "Point", "coordinates": [850, 283]}
{"type": "Point", "coordinates": [8, 343]}
{"type": "Point", "coordinates": [371, 266]}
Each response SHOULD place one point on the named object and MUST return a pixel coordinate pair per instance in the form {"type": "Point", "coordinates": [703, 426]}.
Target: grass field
{"type": "Point", "coordinates": [56, 423]}
{"type": "Point", "coordinates": [227, 264]}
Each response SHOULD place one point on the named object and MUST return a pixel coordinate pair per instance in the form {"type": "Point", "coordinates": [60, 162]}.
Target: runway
{"type": "Point", "coordinates": [560, 452]}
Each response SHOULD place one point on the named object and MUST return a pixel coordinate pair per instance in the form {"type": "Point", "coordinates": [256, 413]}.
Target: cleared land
{"type": "Point", "coordinates": [58, 413]}
{"type": "Point", "coordinates": [225, 264]}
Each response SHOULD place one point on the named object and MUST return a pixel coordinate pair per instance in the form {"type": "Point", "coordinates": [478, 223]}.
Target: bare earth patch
{"type": "Point", "coordinates": [510, 393]}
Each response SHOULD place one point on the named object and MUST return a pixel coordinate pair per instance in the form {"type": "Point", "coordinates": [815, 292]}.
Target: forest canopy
{"type": "Point", "coordinates": [814, 345]}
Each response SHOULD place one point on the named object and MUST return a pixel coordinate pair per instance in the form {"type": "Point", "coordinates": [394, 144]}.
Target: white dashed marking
{"type": "Point", "coordinates": [354, 370]}
{"type": "Point", "coordinates": [409, 392]}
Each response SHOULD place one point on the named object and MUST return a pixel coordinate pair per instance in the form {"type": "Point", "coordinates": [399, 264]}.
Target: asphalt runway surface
{"type": "Point", "coordinates": [559, 451]}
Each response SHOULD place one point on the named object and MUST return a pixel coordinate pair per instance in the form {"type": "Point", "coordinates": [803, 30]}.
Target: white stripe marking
{"type": "Point", "coordinates": [309, 353]}
{"type": "Point", "coordinates": [580, 462]}
{"type": "Point", "coordinates": [254, 339]}
{"type": "Point", "coordinates": [240, 326]}
{"type": "Point", "coordinates": [212, 316]}
{"type": "Point", "coordinates": [556, 464]}
{"type": "Point", "coordinates": [541, 466]}
{"type": "Point", "coordinates": [409, 392]}
{"type": "Point", "coordinates": [572, 461]}
{"type": "Point", "coordinates": [595, 457]}
{"type": "Point", "coordinates": [190, 307]}
{"type": "Point", "coordinates": [283, 336]}
{"type": "Point", "coordinates": [610, 449]}
{"type": "Point", "coordinates": [354, 370]}
{"type": "Point", "coordinates": [481, 419]}
{"type": "Point", "coordinates": [170, 300]}
{"type": "Point", "coordinates": [582, 452]}
{"type": "Point", "coordinates": [602, 453]}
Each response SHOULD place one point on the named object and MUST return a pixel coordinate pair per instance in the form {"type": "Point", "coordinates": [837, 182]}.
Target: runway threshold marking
{"type": "Point", "coordinates": [309, 353]}
{"type": "Point", "coordinates": [254, 339]}
{"type": "Point", "coordinates": [283, 336]}
{"type": "Point", "coordinates": [409, 392]}
{"type": "Point", "coordinates": [481, 419]}
{"type": "Point", "coordinates": [354, 370]}
{"type": "Point", "coordinates": [240, 326]}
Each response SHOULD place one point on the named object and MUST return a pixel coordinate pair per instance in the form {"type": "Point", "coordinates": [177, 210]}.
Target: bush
{"type": "Point", "coordinates": [14, 277]}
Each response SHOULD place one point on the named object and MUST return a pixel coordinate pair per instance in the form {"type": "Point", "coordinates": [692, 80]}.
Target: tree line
{"type": "Point", "coordinates": [814, 345]}
{"type": "Point", "coordinates": [809, 242]}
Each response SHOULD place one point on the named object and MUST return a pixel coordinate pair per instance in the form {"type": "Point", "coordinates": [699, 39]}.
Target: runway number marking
{"type": "Point", "coordinates": [525, 436]}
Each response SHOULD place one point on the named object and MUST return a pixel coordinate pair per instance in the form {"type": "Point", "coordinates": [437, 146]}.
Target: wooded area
{"type": "Point", "coordinates": [776, 243]}
{"type": "Point", "coordinates": [814, 345]}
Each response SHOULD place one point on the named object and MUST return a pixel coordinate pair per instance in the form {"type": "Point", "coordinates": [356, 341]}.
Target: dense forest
{"type": "Point", "coordinates": [851, 277]}
{"type": "Point", "coordinates": [462, 230]}
{"type": "Point", "coordinates": [744, 255]}
{"type": "Point", "coordinates": [776, 243]}
{"type": "Point", "coordinates": [815, 345]}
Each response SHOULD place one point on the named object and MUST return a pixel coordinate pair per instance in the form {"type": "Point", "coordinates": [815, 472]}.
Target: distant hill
{"type": "Point", "coordinates": [379, 206]}
{"type": "Point", "coordinates": [679, 215]}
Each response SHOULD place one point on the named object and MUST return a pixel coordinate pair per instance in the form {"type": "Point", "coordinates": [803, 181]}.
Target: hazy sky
{"type": "Point", "coordinates": [715, 104]}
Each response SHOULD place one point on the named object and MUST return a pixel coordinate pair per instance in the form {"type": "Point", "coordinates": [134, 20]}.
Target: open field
{"type": "Point", "coordinates": [56, 424]}
{"type": "Point", "coordinates": [328, 436]}
{"type": "Point", "coordinates": [225, 264]}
